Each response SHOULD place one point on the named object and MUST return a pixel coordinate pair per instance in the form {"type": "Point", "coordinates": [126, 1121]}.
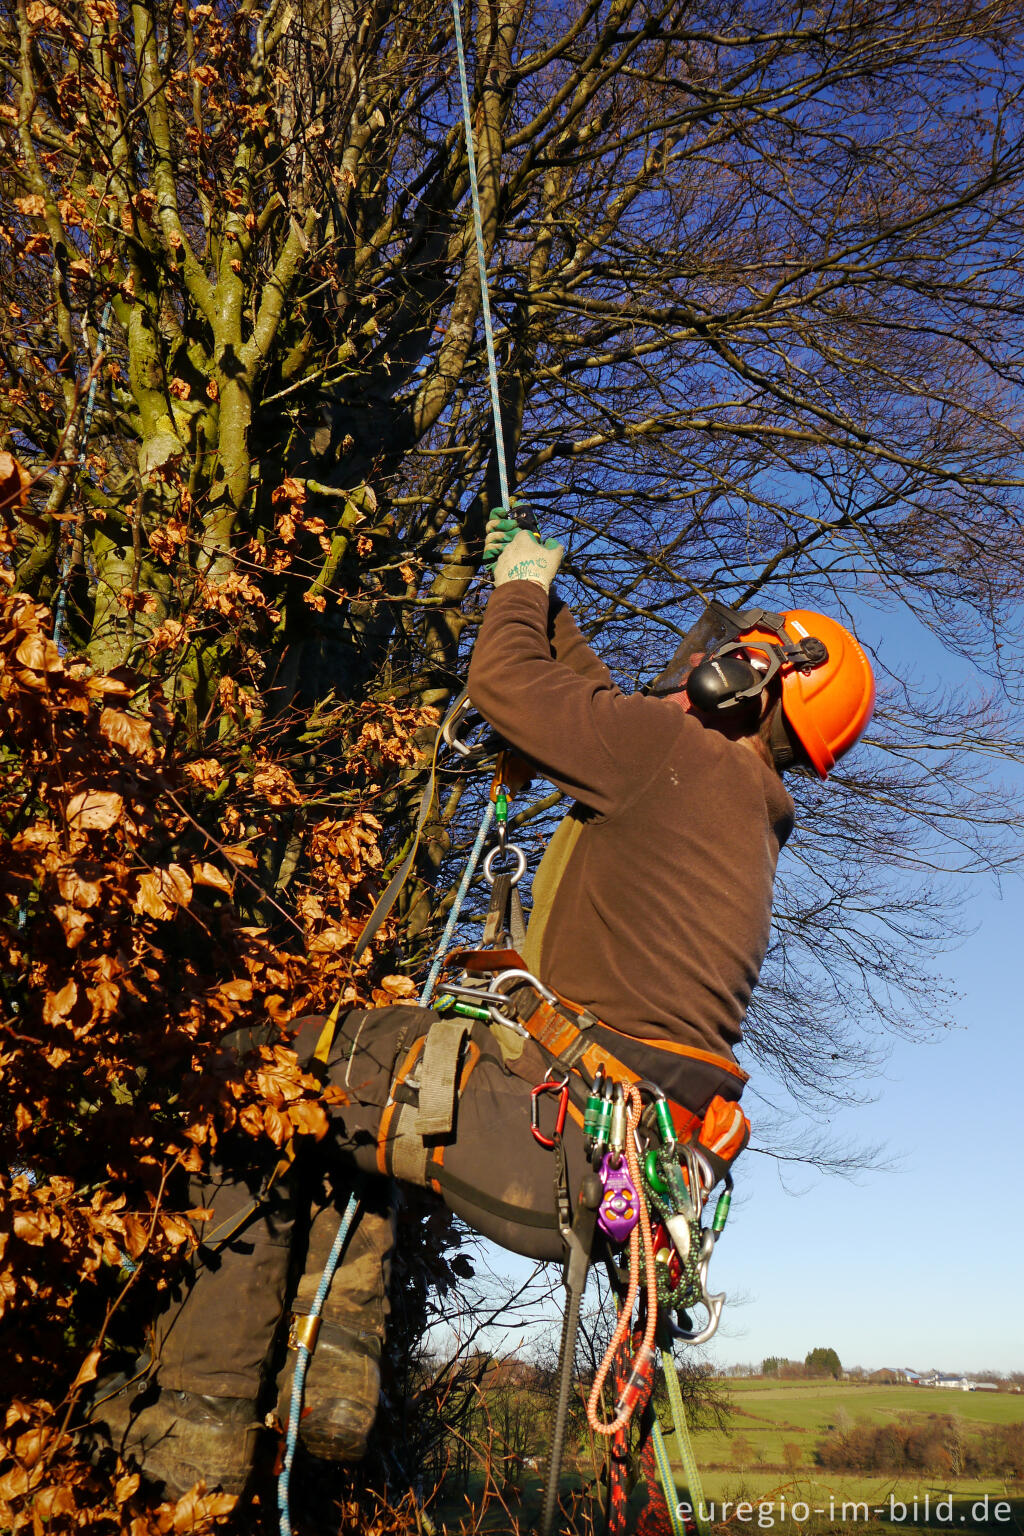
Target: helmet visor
{"type": "Point", "coordinates": [715, 626]}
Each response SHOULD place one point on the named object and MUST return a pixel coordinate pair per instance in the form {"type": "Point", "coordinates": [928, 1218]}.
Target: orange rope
{"type": "Point", "coordinates": [627, 1400]}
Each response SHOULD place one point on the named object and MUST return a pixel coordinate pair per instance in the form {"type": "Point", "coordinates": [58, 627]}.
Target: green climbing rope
{"type": "Point", "coordinates": [688, 1461]}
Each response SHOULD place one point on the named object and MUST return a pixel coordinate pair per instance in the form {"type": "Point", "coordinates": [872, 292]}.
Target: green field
{"type": "Point", "coordinates": [764, 1460]}
{"type": "Point", "coordinates": [770, 1414]}
{"type": "Point", "coordinates": [766, 1455]}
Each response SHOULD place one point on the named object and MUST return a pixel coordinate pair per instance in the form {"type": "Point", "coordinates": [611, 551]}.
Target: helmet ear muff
{"type": "Point", "coordinates": [725, 684]}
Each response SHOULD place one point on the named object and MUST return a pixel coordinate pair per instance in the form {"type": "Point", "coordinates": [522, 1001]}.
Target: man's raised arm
{"type": "Point", "coordinates": [576, 726]}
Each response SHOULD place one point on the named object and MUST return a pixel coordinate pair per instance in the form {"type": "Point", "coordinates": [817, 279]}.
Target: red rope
{"type": "Point", "coordinates": [654, 1518]}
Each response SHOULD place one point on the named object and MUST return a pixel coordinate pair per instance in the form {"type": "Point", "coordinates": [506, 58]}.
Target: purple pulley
{"type": "Point", "coordinates": [619, 1210]}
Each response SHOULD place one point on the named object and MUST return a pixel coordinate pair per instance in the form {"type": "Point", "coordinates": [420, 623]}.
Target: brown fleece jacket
{"type": "Point", "coordinates": [659, 921]}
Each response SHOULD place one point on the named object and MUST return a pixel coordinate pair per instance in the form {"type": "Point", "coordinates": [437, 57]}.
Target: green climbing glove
{"type": "Point", "coordinates": [500, 529]}
{"type": "Point", "coordinates": [525, 558]}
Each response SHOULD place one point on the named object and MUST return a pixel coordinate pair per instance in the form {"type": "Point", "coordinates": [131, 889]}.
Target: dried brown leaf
{"type": "Point", "coordinates": [15, 481]}
{"type": "Point", "coordinates": [39, 654]}
{"type": "Point", "coordinates": [208, 874]}
{"type": "Point", "coordinates": [87, 1370]}
{"type": "Point", "coordinates": [58, 1005]}
{"type": "Point", "coordinates": [128, 732]}
{"type": "Point", "coordinates": [95, 810]}
{"type": "Point", "coordinates": [240, 855]}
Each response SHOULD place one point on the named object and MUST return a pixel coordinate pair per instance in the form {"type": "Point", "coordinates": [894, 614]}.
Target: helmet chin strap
{"type": "Point", "coordinates": [784, 750]}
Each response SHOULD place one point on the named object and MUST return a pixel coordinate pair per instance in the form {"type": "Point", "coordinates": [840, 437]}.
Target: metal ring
{"type": "Point", "coordinates": [520, 869]}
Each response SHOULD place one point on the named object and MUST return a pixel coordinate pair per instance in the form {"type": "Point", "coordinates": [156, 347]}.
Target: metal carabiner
{"type": "Point", "coordinates": [548, 1086]}
{"type": "Point", "coordinates": [470, 721]}
{"type": "Point", "coordinates": [712, 1303]}
{"type": "Point", "coordinates": [694, 1183]}
{"type": "Point", "coordinates": [528, 979]}
{"type": "Point", "coordinates": [450, 726]}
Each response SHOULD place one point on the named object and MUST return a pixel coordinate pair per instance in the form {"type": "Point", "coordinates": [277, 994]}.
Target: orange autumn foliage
{"type": "Point", "coordinates": [147, 982]}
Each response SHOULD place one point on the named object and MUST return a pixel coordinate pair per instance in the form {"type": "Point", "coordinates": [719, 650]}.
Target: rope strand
{"type": "Point", "coordinates": [481, 256]}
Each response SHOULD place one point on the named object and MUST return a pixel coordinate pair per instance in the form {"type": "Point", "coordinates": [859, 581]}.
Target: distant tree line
{"type": "Point", "coordinates": [937, 1444]}
{"type": "Point", "coordinates": [818, 1362]}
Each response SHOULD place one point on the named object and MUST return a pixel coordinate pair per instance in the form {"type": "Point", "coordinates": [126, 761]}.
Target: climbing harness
{"type": "Point", "coordinates": [647, 1185]}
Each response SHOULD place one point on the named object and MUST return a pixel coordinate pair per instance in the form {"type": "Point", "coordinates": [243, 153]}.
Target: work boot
{"type": "Point", "coordinates": [178, 1439]}
{"type": "Point", "coordinates": [343, 1377]}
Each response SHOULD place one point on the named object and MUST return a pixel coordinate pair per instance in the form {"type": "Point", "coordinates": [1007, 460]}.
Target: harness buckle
{"type": "Point", "coordinates": [549, 1086]}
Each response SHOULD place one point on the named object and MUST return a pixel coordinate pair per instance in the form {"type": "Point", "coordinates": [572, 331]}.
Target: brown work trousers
{"type": "Point", "coordinates": [472, 1144]}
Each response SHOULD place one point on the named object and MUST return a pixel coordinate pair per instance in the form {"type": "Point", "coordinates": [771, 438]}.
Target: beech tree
{"type": "Point", "coordinates": [754, 279]}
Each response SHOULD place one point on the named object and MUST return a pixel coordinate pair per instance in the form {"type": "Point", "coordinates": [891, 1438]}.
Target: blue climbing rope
{"type": "Point", "coordinates": [303, 1357]}
{"type": "Point", "coordinates": [499, 439]}
{"type": "Point", "coordinates": [481, 256]}
{"type": "Point", "coordinates": [460, 896]}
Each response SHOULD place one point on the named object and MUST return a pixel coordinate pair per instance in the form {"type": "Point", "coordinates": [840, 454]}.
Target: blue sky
{"type": "Point", "coordinates": [921, 1265]}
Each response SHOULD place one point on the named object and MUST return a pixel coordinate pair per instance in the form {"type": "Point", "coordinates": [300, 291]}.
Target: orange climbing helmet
{"type": "Point", "coordinates": [827, 687]}
{"type": "Point", "coordinates": [828, 698]}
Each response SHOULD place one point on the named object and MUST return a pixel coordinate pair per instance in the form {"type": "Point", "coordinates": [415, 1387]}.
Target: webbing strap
{"type": "Point", "coordinates": [505, 923]}
{"type": "Point", "coordinates": [439, 1075]}
{"type": "Point", "coordinates": [325, 1039]}
{"type": "Point", "coordinates": [576, 1050]}
{"type": "Point", "coordinates": [517, 1215]}
{"type": "Point", "coordinates": [496, 921]}
{"type": "Point", "coordinates": [405, 1155]}
{"type": "Point", "coordinates": [579, 1241]}
{"type": "Point", "coordinates": [516, 920]}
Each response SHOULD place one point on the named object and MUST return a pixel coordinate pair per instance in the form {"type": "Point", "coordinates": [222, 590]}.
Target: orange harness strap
{"type": "Point", "coordinates": [554, 1030]}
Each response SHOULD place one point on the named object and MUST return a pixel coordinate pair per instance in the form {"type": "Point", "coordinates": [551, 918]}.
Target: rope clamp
{"type": "Point", "coordinates": [303, 1331]}
{"type": "Point", "coordinates": [549, 1086]}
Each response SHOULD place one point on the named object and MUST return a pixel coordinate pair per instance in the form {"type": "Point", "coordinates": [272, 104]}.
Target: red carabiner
{"type": "Point", "coordinates": [562, 1089]}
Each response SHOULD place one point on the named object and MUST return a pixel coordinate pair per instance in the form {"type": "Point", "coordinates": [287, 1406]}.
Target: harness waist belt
{"type": "Point", "coordinates": [580, 1042]}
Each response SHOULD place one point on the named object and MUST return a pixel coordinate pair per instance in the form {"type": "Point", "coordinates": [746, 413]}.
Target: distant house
{"type": "Point", "coordinates": [886, 1377]}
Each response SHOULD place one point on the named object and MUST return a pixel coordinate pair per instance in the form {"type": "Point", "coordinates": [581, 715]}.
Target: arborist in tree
{"type": "Point", "coordinates": [650, 922]}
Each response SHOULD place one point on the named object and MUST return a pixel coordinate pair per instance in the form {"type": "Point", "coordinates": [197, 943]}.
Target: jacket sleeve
{"type": "Point", "coordinates": [569, 647]}
{"type": "Point", "coordinates": [585, 735]}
